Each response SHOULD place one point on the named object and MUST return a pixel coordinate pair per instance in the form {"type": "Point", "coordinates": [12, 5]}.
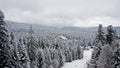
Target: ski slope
{"type": "Point", "coordinates": [80, 63]}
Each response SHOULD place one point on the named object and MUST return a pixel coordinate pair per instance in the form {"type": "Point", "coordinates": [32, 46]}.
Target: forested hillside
{"type": "Point", "coordinates": [40, 46]}
{"type": "Point", "coordinates": [27, 49]}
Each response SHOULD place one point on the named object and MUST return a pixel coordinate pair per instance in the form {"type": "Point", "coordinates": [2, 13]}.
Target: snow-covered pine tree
{"type": "Point", "coordinates": [54, 57]}
{"type": "Point", "coordinates": [71, 47]}
{"type": "Point", "coordinates": [24, 61]}
{"type": "Point", "coordinates": [61, 58]}
{"type": "Point", "coordinates": [32, 46]}
{"type": "Point", "coordinates": [106, 56]}
{"type": "Point", "coordinates": [59, 54]}
{"type": "Point", "coordinates": [100, 37]}
{"type": "Point", "coordinates": [4, 46]}
{"type": "Point", "coordinates": [116, 56]}
{"type": "Point", "coordinates": [47, 55]}
{"type": "Point", "coordinates": [105, 59]}
{"type": "Point", "coordinates": [13, 51]}
{"type": "Point", "coordinates": [79, 52]}
{"type": "Point", "coordinates": [42, 45]}
{"type": "Point", "coordinates": [111, 35]}
{"type": "Point", "coordinates": [68, 53]}
{"type": "Point", "coordinates": [99, 42]}
{"type": "Point", "coordinates": [40, 58]}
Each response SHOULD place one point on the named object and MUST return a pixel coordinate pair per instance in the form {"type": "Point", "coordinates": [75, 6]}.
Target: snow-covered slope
{"type": "Point", "coordinates": [80, 63]}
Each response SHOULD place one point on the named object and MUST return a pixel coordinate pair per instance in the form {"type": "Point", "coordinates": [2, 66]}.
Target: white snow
{"type": "Point", "coordinates": [80, 63]}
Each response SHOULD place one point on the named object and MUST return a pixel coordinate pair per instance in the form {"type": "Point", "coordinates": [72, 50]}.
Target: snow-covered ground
{"type": "Point", "coordinates": [80, 63]}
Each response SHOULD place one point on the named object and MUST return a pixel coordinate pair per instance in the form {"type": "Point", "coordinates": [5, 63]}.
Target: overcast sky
{"type": "Point", "coordinates": [83, 13]}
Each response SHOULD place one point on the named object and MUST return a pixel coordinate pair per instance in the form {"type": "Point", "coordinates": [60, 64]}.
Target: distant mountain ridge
{"type": "Point", "coordinates": [14, 26]}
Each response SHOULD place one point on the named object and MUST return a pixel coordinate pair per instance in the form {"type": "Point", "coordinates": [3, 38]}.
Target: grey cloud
{"type": "Point", "coordinates": [30, 5]}
{"type": "Point", "coordinates": [58, 12]}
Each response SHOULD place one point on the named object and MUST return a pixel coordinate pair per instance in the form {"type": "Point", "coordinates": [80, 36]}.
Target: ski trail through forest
{"type": "Point", "coordinates": [80, 63]}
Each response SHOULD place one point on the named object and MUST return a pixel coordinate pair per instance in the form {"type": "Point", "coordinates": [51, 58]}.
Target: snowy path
{"type": "Point", "coordinates": [80, 63]}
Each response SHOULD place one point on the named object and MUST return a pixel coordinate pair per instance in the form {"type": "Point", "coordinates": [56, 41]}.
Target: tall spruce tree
{"type": "Point", "coordinates": [99, 42]}
{"type": "Point", "coordinates": [4, 47]}
{"type": "Point", "coordinates": [13, 51]}
{"type": "Point", "coordinates": [100, 37]}
{"type": "Point", "coordinates": [32, 47]}
{"type": "Point", "coordinates": [111, 35]}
